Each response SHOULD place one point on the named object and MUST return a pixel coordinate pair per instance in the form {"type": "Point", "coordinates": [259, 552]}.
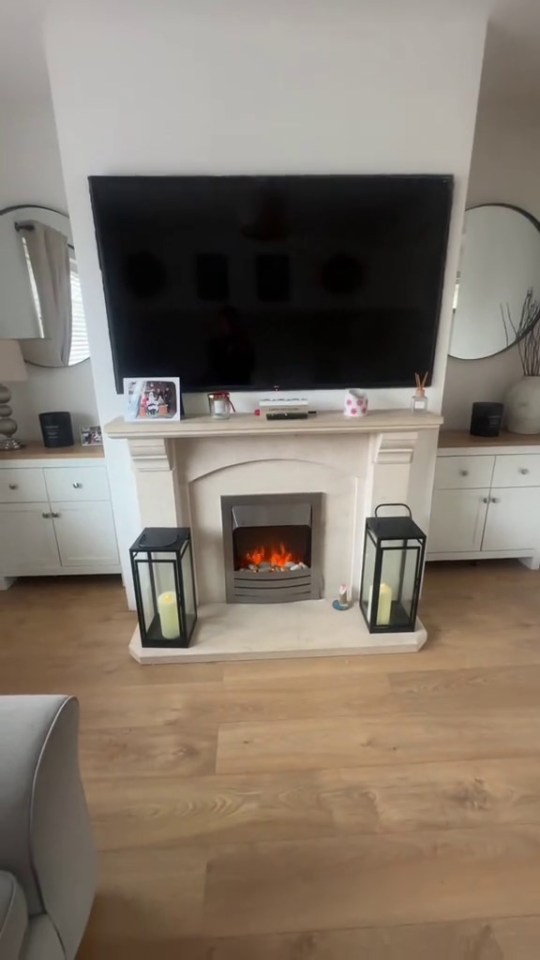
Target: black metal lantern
{"type": "Point", "coordinates": [162, 565]}
{"type": "Point", "coordinates": [394, 550]}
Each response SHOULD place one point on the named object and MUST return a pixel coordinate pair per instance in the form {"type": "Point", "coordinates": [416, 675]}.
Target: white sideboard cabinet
{"type": "Point", "coordinates": [55, 513]}
{"type": "Point", "coordinates": [486, 499]}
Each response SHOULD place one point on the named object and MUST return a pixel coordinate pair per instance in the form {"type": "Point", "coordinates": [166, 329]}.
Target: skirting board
{"type": "Point", "coordinates": [309, 628]}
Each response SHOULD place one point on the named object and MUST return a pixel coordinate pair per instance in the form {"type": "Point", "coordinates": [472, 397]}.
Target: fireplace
{"type": "Point", "coordinates": [272, 547]}
{"type": "Point", "coordinates": [338, 466]}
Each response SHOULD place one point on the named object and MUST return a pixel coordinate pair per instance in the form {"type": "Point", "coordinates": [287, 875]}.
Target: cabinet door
{"type": "Point", "coordinates": [27, 539]}
{"type": "Point", "coordinates": [85, 533]}
{"type": "Point", "coordinates": [457, 520]}
{"type": "Point", "coordinates": [513, 520]}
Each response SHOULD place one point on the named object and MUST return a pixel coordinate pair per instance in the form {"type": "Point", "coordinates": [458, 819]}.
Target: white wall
{"type": "Point", "coordinates": [31, 172]}
{"type": "Point", "coordinates": [505, 168]}
{"type": "Point", "coordinates": [353, 86]}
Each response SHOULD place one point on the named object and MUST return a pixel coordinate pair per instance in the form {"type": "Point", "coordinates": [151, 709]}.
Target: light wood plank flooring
{"type": "Point", "coordinates": [369, 808]}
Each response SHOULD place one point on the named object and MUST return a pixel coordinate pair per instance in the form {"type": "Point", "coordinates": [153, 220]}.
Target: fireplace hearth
{"type": "Point", "coordinates": [272, 547]}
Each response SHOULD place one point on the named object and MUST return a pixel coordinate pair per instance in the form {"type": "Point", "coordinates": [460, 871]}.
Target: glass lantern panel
{"type": "Point", "coordinates": [190, 607]}
{"type": "Point", "coordinates": [161, 613]}
{"type": "Point", "coordinates": [398, 580]}
{"type": "Point", "coordinates": [392, 551]}
{"type": "Point", "coordinates": [368, 574]}
{"type": "Point", "coordinates": [147, 594]}
{"type": "Point", "coordinates": [163, 566]}
{"type": "Point", "coordinates": [408, 588]}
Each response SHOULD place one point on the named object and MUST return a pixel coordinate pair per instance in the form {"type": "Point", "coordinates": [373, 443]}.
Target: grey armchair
{"type": "Point", "coordinates": [47, 857]}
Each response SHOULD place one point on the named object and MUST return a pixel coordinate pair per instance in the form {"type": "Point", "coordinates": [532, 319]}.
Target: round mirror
{"type": "Point", "coordinates": [42, 285]}
{"type": "Point", "coordinates": [500, 263]}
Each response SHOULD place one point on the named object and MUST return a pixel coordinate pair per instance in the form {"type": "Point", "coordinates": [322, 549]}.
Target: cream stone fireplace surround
{"type": "Point", "coordinates": [183, 469]}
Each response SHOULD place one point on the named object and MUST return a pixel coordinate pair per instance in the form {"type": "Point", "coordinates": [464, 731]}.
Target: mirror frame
{"type": "Point", "coordinates": [536, 223]}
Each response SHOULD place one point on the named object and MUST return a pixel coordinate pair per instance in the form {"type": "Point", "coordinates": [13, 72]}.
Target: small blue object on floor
{"type": "Point", "coordinates": [340, 606]}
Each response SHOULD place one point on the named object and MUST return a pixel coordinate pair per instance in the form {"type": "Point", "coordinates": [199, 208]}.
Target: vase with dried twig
{"type": "Point", "coordinates": [522, 402]}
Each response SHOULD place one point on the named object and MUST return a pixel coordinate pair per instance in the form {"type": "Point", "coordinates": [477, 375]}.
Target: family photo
{"type": "Point", "coordinates": [91, 436]}
{"type": "Point", "coordinates": [152, 399]}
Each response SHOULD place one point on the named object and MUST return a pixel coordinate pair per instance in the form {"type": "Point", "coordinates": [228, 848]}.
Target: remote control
{"type": "Point", "coordinates": [287, 416]}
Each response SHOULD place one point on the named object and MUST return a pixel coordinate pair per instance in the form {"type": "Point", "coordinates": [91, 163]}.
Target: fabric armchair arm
{"type": "Point", "coordinates": [45, 837]}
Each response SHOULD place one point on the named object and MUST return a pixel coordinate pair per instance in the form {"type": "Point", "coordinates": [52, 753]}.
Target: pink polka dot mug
{"type": "Point", "coordinates": [356, 404]}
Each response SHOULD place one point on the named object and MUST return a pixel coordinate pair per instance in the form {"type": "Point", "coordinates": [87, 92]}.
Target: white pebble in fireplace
{"type": "Point", "coordinates": [188, 474]}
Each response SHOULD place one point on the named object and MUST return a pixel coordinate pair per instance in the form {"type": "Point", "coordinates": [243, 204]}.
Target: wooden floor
{"type": "Point", "coordinates": [365, 808]}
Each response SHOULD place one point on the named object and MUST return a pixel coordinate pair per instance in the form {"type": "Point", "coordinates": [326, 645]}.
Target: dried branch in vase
{"type": "Point", "coordinates": [526, 333]}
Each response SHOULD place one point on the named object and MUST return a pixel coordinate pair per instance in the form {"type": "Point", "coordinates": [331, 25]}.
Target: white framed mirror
{"type": "Point", "coordinates": [42, 303]}
{"type": "Point", "coordinates": [500, 262]}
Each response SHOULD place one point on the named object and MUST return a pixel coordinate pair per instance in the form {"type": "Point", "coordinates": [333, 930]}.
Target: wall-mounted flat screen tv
{"type": "Point", "coordinates": [255, 282]}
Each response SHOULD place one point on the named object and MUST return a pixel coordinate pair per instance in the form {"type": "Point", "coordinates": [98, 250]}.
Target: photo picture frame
{"type": "Point", "coordinates": [91, 436]}
{"type": "Point", "coordinates": [152, 398]}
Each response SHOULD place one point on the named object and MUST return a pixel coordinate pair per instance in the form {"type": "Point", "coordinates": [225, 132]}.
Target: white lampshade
{"type": "Point", "coordinates": [12, 365]}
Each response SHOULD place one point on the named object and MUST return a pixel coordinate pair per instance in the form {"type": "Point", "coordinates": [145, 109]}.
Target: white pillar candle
{"type": "Point", "coordinates": [385, 605]}
{"type": "Point", "coordinates": [168, 615]}
{"type": "Point", "coordinates": [221, 407]}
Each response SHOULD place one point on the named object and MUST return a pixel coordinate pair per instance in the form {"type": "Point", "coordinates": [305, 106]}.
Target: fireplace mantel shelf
{"type": "Point", "coordinates": [247, 425]}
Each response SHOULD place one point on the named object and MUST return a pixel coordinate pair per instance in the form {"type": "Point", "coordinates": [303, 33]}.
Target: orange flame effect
{"type": "Point", "coordinates": [277, 556]}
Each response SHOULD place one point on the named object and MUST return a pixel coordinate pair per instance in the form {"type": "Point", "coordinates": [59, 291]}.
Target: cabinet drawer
{"type": "Point", "coordinates": [459, 473]}
{"type": "Point", "coordinates": [517, 470]}
{"type": "Point", "coordinates": [77, 483]}
{"type": "Point", "coordinates": [22, 486]}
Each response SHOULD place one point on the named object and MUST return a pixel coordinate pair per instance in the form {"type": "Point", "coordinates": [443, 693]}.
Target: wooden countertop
{"type": "Point", "coordinates": [462, 438]}
{"type": "Point", "coordinates": [34, 450]}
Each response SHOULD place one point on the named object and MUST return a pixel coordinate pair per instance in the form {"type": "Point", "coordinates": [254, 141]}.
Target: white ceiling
{"type": "Point", "coordinates": [511, 69]}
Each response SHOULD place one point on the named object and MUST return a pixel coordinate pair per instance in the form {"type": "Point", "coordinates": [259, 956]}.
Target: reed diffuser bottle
{"type": "Point", "coordinates": [419, 400]}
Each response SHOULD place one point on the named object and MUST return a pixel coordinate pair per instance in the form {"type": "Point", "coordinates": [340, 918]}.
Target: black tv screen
{"type": "Point", "coordinates": [250, 283]}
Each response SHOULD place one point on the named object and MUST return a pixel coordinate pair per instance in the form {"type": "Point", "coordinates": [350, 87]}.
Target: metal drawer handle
{"type": "Point", "coordinates": [13, 486]}
{"type": "Point", "coordinates": [485, 499]}
{"type": "Point", "coordinates": [46, 516]}
{"type": "Point", "coordinates": [524, 470]}
{"type": "Point", "coordinates": [495, 500]}
{"type": "Point", "coordinates": [55, 515]}
{"type": "Point", "coordinates": [464, 473]}
{"type": "Point", "coordinates": [77, 485]}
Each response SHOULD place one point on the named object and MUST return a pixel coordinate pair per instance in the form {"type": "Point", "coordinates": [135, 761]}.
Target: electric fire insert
{"type": "Point", "coordinates": [272, 547]}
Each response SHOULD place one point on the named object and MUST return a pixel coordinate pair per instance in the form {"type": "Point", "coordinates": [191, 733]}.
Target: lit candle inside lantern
{"type": "Point", "coordinates": [385, 605]}
{"type": "Point", "coordinates": [168, 615]}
